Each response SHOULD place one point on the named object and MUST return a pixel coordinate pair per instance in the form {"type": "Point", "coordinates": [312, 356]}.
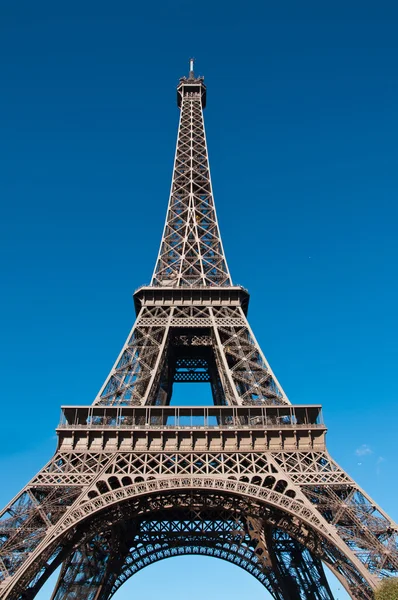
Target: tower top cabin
{"type": "Point", "coordinates": [191, 86]}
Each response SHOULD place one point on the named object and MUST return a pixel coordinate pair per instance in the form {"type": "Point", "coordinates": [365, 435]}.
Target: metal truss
{"type": "Point", "coordinates": [163, 339]}
{"type": "Point", "coordinates": [301, 573]}
{"type": "Point", "coordinates": [191, 252]}
{"type": "Point", "coordinates": [333, 520]}
{"type": "Point", "coordinates": [199, 530]}
{"type": "Point", "coordinates": [249, 480]}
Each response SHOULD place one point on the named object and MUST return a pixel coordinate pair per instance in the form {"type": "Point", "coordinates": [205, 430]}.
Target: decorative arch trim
{"type": "Point", "coordinates": [293, 506]}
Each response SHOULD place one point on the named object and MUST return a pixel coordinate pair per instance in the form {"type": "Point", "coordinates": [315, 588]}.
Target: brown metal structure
{"type": "Point", "coordinates": [249, 480]}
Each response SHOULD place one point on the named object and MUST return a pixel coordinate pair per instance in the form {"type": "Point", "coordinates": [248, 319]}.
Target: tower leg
{"type": "Point", "coordinates": [92, 569]}
{"type": "Point", "coordinates": [299, 573]}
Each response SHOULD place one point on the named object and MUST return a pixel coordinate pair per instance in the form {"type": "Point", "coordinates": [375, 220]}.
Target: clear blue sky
{"type": "Point", "coordinates": [302, 131]}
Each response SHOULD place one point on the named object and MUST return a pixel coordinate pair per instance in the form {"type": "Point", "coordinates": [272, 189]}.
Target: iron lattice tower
{"type": "Point", "coordinates": [249, 480]}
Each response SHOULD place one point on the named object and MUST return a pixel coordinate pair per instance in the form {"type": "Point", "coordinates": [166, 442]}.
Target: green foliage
{"type": "Point", "coordinates": [387, 590]}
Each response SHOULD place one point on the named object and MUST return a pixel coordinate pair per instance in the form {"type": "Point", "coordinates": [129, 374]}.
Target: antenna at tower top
{"type": "Point", "coordinates": [191, 62]}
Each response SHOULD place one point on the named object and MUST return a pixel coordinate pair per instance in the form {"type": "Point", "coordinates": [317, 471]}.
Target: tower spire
{"type": "Point", "coordinates": [191, 252]}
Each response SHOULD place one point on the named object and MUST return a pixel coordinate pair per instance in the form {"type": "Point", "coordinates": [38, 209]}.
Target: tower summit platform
{"type": "Point", "coordinates": [191, 86]}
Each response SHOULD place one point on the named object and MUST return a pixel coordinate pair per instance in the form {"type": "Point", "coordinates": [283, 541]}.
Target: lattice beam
{"type": "Point", "coordinates": [191, 252]}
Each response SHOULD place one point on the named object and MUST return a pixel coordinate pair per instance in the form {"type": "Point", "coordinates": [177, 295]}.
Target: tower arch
{"type": "Point", "coordinates": [260, 513]}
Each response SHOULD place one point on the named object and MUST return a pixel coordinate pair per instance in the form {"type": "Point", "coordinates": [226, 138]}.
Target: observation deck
{"type": "Point", "coordinates": [191, 428]}
{"type": "Point", "coordinates": [191, 86]}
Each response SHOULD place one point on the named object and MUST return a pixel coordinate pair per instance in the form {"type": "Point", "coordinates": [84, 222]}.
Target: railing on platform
{"type": "Point", "coordinates": [226, 417]}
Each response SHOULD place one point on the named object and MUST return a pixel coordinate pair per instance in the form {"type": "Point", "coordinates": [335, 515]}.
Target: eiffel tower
{"type": "Point", "coordinates": [249, 480]}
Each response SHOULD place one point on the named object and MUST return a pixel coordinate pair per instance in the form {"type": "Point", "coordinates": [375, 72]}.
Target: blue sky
{"type": "Point", "coordinates": [302, 128]}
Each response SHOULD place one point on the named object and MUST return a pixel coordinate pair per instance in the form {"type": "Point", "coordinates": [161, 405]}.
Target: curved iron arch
{"type": "Point", "coordinates": [245, 561]}
{"type": "Point", "coordinates": [239, 541]}
{"type": "Point", "coordinates": [244, 558]}
{"type": "Point", "coordinates": [307, 527]}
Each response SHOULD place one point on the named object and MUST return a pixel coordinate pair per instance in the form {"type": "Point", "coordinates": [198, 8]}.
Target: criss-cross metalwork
{"type": "Point", "coordinates": [191, 252]}
{"type": "Point", "coordinates": [162, 337]}
{"type": "Point", "coordinates": [249, 480]}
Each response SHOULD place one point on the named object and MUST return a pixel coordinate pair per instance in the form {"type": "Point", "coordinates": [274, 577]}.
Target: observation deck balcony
{"type": "Point", "coordinates": [188, 428]}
